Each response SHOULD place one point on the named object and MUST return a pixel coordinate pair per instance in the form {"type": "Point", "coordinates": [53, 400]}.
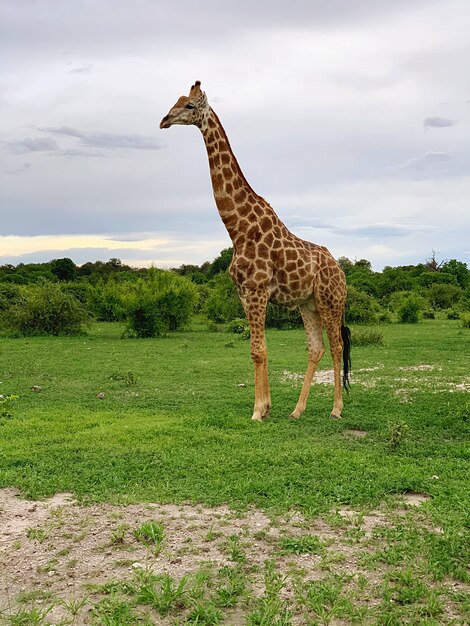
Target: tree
{"type": "Point", "coordinates": [222, 262]}
{"type": "Point", "coordinates": [459, 270]}
{"type": "Point", "coordinates": [65, 269]}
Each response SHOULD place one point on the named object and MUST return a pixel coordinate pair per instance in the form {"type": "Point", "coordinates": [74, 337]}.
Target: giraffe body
{"type": "Point", "coordinates": [269, 262]}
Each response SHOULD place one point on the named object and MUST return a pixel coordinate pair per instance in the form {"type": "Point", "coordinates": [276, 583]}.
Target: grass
{"type": "Point", "coordinates": [186, 410]}
{"type": "Point", "coordinates": [174, 427]}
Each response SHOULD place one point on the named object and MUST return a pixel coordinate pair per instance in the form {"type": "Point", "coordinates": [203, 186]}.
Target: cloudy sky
{"type": "Point", "coordinates": [351, 118]}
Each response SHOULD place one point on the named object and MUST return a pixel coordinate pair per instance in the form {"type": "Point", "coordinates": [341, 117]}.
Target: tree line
{"type": "Point", "coordinates": [59, 297]}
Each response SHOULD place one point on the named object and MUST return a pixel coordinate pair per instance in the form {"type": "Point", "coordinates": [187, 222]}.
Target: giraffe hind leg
{"type": "Point", "coordinates": [313, 330]}
{"type": "Point", "coordinates": [333, 329]}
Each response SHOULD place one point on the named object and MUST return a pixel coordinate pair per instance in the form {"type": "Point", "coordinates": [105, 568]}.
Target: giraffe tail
{"type": "Point", "coordinates": [346, 337]}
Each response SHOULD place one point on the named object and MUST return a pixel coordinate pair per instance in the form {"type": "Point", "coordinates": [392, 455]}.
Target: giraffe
{"type": "Point", "coordinates": [270, 263]}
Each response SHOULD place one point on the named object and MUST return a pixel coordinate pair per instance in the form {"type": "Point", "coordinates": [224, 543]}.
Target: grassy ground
{"type": "Point", "coordinates": [173, 427]}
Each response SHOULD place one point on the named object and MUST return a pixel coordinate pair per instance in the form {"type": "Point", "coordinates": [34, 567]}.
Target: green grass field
{"type": "Point", "coordinates": [174, 427]}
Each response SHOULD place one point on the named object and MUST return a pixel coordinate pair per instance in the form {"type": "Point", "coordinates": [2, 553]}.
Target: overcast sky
{"type": "Point", "coordinates": [351, 118]}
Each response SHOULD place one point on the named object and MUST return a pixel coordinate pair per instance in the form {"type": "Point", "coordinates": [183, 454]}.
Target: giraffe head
{"type": "Point", "coordinates": [189, 109]}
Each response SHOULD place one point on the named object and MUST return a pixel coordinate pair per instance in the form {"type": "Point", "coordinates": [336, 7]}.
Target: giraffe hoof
{"type": "Point", "coordinates": [294, 415]}
{"type": "Point", "coordinates": [335, 417]}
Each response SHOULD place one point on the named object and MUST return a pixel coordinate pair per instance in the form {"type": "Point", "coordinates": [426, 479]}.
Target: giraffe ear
{"type": "Point", "coordinates": [195, 89]}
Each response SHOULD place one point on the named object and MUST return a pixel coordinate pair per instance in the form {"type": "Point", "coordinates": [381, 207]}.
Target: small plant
{"type": "Point", "coordinates": [233, 585]}
{"type": "Point", "coordinates": [235, 550]}
{"type": "Point", "coordinates": [306, 544]}
{"type": "Point", "coordinates": [113, 612]}
{"type": "Point", "coordinates": [162, 592]}
{"type": "Point", "coordinates": [118, 536]}
{"type": "Point", "coordinates": [204, 614]}
{"type": "Point", "coordinates": [397, 434]}
{"type": "Point", "coordinates": [152, 534]}
{"type": "Point", "coordinates": [5, 406]}
{"type": "Point", "coordinates": [367, 337]}
{"type": "Point", "coordinates": [465, 320]}
{"type": "Point", "coordinates": [37, 534]}
{"type": "Point", "coordinates": [239, 326]}
{"type": "Point", "coordinates": [127, 378]}
{"type": "Point", "coordinates": [28, 618]}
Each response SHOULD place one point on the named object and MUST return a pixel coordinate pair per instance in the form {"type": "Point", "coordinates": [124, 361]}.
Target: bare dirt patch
{"type": "Point", "coordinates": [58, 553]}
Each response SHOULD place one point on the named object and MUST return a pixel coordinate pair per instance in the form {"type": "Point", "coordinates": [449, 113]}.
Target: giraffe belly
{"type": "Point", "coordinates": [290, 296]}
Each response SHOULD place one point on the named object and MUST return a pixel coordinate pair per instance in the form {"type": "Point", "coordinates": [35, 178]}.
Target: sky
{"type": "Point", "coordinates": [352, 119]}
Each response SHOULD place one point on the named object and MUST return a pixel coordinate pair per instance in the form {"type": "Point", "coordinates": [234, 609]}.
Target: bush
{"type": "Point", "coordinates": [410, 310]}
{"type": "Point", "coordinates": [107, 301]}
{"type": "Point", "coordinates": [281, 317]}
{"type": "Point", "coordinates": [366, 337]}
{"type": "Point", "coordinates": [453, 315]}
{"type": "Point", "coordinates": [444, 296]}
{"type": "Point", "coordinates": [46, 310]}
{"type": "Point", "coordinates": [162, 302]}
{"type": "Point", "coordinates": [361, 307]}
{"type": "Point", "coordinates": [465, 319]}
{"type": "Point", "coordinates": [9, 294]}
{"type": "Point", "coordinates": [223, 304]}
{"type": "Point", "coordinates": [240, 326]}
{"type": "Point", "coordinates": [429, 315]}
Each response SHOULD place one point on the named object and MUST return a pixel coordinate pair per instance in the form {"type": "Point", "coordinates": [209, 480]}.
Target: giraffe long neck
{"type": "Point", "coordinates": [234, 197]}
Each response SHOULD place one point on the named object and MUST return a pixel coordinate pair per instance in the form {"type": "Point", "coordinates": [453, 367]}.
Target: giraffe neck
{"type": "Point", "coordinates": [235, 199]}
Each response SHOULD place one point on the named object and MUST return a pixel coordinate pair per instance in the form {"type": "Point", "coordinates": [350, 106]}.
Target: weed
{"type": "Point", "coordinates": [128, 377]}
{"type": "Point", "coordinates": [37, 534]}
{"type": "Point", "coordinates": [161, 592]}
{"type": "Point", "coordinates": [205, 614]}
{"type": "Point", "coordinates": [305, 544]}
{"type": "Point", "coordinates": [29, 617]}
{"type": "Point", "coordinates": [231, 585]}
{"type": "Point", "coordinates": [114, 611]}
{"type": "Point", "coordinates": [367, 337]}
{"type": "Point", "coordinates": [152, 534]}
{"type": "Point", "coordinates": [6, 403]}
{"type": "Point", "coordinates": [233, 547]}
{"type": "Point", "coordinates": [270, 609]}
{"type": "Point", "coordinates": [74, 605]}
{"type": "Point", "coordinates": [397, 434]}
{"type": "Point", "coordinates": [118, 536]}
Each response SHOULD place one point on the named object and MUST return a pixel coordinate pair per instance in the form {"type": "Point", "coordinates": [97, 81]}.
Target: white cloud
{"type": "Point", "coordinates": [323, 102]}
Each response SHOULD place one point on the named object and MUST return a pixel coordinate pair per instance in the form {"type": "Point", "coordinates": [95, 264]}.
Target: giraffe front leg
{"type": "Point", "coordinates": [255, 309]}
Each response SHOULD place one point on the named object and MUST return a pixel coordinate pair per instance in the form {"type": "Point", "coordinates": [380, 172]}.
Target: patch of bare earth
{"type": "Point", "coordinates": [58, 551]}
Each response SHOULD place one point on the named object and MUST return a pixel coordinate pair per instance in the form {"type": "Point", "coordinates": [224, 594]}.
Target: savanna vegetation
{"type": "Point", "coordinates": [144, 400]}
{"type": "Point", "coordinates": [152, 302]}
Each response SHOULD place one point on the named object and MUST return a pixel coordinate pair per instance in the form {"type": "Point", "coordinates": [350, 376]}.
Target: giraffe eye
{"type": "Point", "coordinates": [189, 106]}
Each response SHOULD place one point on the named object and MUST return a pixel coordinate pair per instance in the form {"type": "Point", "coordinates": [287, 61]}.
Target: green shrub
{"type": "Point", "coordinates": [410, 310]}
{"type": "Point", "coordinates": [240, 326]}
{"type": "Point", "coordinates": [223, 304]}
{"type": "Point", "coordinates": [81, 291]}
{"type": "Point", "coordinates": [453, 314]}
{"type": "Point", "coordinates": [361, 307]}
{"type": "Point", "coordinates": [429, 315]}
{"type": "Point", "coordinates": [46, 310]}
{"type": "Point", "coordinates": [444, 296]}
{"type": "Point", "coordinates": [162, 302]}
{"type": "Point", "coordinates": [281, 317]}
{"type": "Point", "coordinates": [465, 319]}
{"type": "Point", "coordinates": [366, 337]}
{"type": "Point", "coordinates": [107, 301]}
{"type": "Point", "coordinates": [9, 294]}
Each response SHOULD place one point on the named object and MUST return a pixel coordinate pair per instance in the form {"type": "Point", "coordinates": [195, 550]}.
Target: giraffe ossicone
{"type": "Point", "coordinates": [270, 263]}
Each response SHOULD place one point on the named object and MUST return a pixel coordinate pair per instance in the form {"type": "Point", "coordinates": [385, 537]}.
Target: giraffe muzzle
{"type": "Point", "coordinates": [165, 123]}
